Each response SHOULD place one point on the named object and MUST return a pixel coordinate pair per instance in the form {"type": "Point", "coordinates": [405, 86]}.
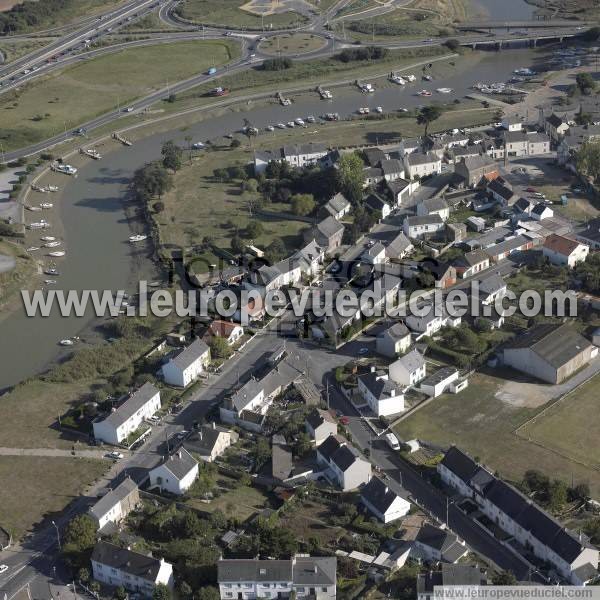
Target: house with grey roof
{"type": "Point", "coordinates": [437, 383]}
{"type": "Point", "coordinates": [377, 205]}
{"type": "Point", "coordinates": [114, 506]}
{"type": "Point", "coordinates": [422, 226]}
{"type": "Point", "coordinates": [187, 365]}
{"type": "Point", "coordinates": [401, 189]}
{"type": "Point", "coordinates": [571, 555]}
{"type": "Point", "coordinates": [434, 206]}
{"type": "Point", "coordinates": [549, 352]}
{"type": "Point", "coordinates": [392, 168]}
{"type": "Point", "coordinates": [327, 234]}
{"type": "Point", "coordinates": [409, 146]}
{"type": "Point", "coordinates": [437, 544]}
{"type": "Point", "coordinates": [466, 576]}
{"type": "Point", "coordinates": [380, 500]}
{"type": "Point", "coordinates": [319, 425]}
{"type": "Point", "coordinates": [303, 155]}
{"type": "Point", "coordinates": [383, 396]}
{"type": "Point", "coordinates": [342, 464]}
{"type": "Point", "coordinates": [301, 576]}
{"type": "Point", "coordinates": [139, 573]}
{"type": "Point", "coordinates": [210, 441]}
{"type": "Point", "coordinates": [398, 248]}
{"type": "Point", "coordinates": [375, 255]}
{"type": "Point", "coordinates": [491, 288]}
{"type": "Point", "coordinates": [374, 156]}
{"type": "Point", "coordinates": [175, 474]}
{"type": "Point", "coordinates": [408, 369]}
{"type": "Point", "coordinates": [556, 127]}
{"type": "Point", "coordinates": [393, 340]}
{"type": "Point", "coordinates": [502, 192]}
{"type": "Point", "coordinates": [419, 165]}
{"type": "Point", "coordinates": [337, 206]}
{"type": "Point", "coordinates": [472, 263]}
{"type": "Point", "coordinates": [473, 169]}
{"type": "Point", "coordinates": [127, 418]}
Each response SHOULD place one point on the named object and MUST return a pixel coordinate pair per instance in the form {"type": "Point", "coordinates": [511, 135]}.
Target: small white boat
{"type": "Point", "coordinates": [57, 253]}
{"type": "Point", "coordinates": [32, 249]}
{"type": "Point", "coordinates": [33, 208]}
{"type": "Point", "coordinates": [52, 244]}
{"type": "Point", "coordinates": [410, 78]}
{"type": "Point", "coordinates": [46, 205]}
{"type": "Point", "coordinates": [52, 188]}
{"type": "Point", "coordinates": [444, 90]}
{"type": "Point", "coordinates": [137, 238]}
{"type": "Point", "coordinates": [51, 271]}
{"type": "Point", "coordinates": [379, 109]}
{"type": "Point", "coordinates": [50, 281]}
{"type": "Point", "coordinates": [38, 188]}
{"type": "Point", "coordinates": [66, 342]}
{"type": "Point", "coordinates": [47, 238]}
{"type": "Point", "coordinates": [424, 93]}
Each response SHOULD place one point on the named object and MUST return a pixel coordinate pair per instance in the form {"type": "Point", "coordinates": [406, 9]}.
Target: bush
{"type": "Point", "coordinates": [277, 64]}
{"type": "Point", "coordinates": [358, 54]}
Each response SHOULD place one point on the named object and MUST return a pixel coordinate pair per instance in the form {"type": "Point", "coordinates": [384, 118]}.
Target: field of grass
{"type": "Point", "coordinates": [82, 92]}
{"type": "Point", "coordinates": [570, 426]}
{"type": "Point", "coordinates": [34, 488]}
{"type": "Point", "coordinates": [200, 205]}
{"type": "Point", "coordinates": [13, 49]}
{"type": "Point", "coordinates": [20, 276]}
{"type": "Point", "coordinates": [229, 14]}
{"type": "Point", "coordinates": [475, 416]}
{"type": "Point", "coordinates": [289, 44]}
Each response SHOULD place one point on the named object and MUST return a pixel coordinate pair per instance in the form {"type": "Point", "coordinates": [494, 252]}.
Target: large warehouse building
{"type": "Point", "coordinates": [549, 352]}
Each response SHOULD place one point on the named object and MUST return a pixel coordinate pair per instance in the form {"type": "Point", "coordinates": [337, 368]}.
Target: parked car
{"type": "Point", "coordinates": [115, 455]}
{"type": "Point", "coordinates": [3, 568]}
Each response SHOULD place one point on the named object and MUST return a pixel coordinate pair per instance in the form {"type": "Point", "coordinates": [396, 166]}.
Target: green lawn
{"type": "Point", "coordinates": [13, 49]}
{"type": "Point", "coordinates": [13, 281]}
{"type": "Point", "coordinates": [570, 427]}
{"type": "Point", "coordinates": [484, 425]}
{"type": "Point", "coordinates": [64, 99]}
{"type": "Point", "coordinates": [35, 487]}
{"type": "Point", "coordinates": [229, 14]}
{"type": "Point", "coordinates": [289, 44]}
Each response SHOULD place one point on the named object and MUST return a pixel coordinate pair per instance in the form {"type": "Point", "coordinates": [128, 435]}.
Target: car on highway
{"type": "Point", "coordinates": [115, 455]}
{"type": "Point", "coordinates": [3, 569]}
{"type": "Point", "coordinates": [310, 119]}
{"type": "Point", "coordinates": [270, 128]}
{"type": "Point", "coordinates": [128, 109]}
{"type": "Point", "coordinates": [291, 124]}
{"type": "Point", "coordinates": [281, 125]}
{"type": "Point", "coordinates": [379, 109]}
{"type": "Point", "coordinates": [197, 145]}
{"type": "Point", "coordinates": [299, 122]}
{"type": "Point", "coordinates": [212, 71]}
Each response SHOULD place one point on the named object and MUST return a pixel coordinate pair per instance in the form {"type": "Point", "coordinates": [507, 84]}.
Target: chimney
{"type": "Point", "coordinates": [373, 368]}
{"type": "Point", "coordinates": [393, 393]}
{"type": "Point", "coordinates": [214, 425]}
{"type": "Point", "coordinates": [315, 569]}
{"type": "Point", "coordinates": [179, 454]}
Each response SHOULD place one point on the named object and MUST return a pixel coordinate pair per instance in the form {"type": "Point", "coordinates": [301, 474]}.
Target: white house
{"type": "Point", "coordinates": [141, 405]}
{"type": "Point", "coordinates": [393, 341]}
{"type": "Point", "coordinates": [417, 227]}
{"type": "Point", "coordinates": [302, 576]}
{"type": "Point", "coordinates": [210, 441]}
{"type": "Point", "coordinates": [383, 396]}
{"type": "Point", "coordinates": [138, 573]}
{"type": "Point", "coordinates": [560, 250]}
{"type": "Point", "coordinates": [512, 123]}
{"type": "Point", "coordinates": [434, 544]}
{"type": "Point", "coordinates": [230, 332]}
{"type": "Point", "coordinates": [408, 369]}
{"type": "Point", "coordinates": [176, 473]}
{"type": "Point", "coordinates": [541, 211]}
{"type": "Point", "coordinates": [378, 205]}
{"type": "Point", "coordinates": [383, 502]}
{"type": "Point", "coordinates": [303, 155]}
{"type": "Point", "coordinates": [375, 255]}
{"type": "Point", "coordinates": [342, 463]}
{"type": "Point", "coordinates": [437, 383]}
{"type": "Point", "coordinates": [337, 206]}
{"type": "Point", "coordinates": [434, 206]}
{"type": "Point", "coordinates": [392, 168]}
{"type": "Point", "coordinates": [320, 425]}
{"type": "Point", "coordinates": [420, 165]}
{"type": "Point", "coordinates": [116, 505]}
{"type": "Point", "coordinates": [188, 365]}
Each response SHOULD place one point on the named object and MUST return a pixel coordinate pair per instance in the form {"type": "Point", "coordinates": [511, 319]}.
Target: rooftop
{"type": "Point", "coordinates": [138, 399]}
{"type": "Point", "coordinates": [133, 563]}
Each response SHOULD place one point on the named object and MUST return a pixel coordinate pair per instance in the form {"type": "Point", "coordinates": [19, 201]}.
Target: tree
{"type": "Point", "coordinates": [237, 244]}
{"type": "Point", "coordinates": [429, 114]}
{"type": "Point", "coordinates": [172, 156]}
{"type": "Point", "coordinates": [276, 251]}
{"type": "Point", "coordinates": [303, 204]}
{"type": "Point", "coordinates": [585, 82]}
{"type": "Point", "coordinates": [221, 175]}
{"type": "Point", "coordinates": [219, 348]}
{"type": "Point", "coordinates": [588, 159]}
{"type": "Point", "coordinates": [504, 578]}
{"type": "Point", "coordinates": [254, 229]}
{"type": "Point", "coordinates": [78, 540]}
{"type": "Point", "coordinates": [120, 593]}
{"type": "Point", "coordinates": [235, 143]}
{"type": "Point", "coordinates": [83, 575]}
{"type": "Point", "coordinates": [151, 180]}
{"type": "Point", "coordinates": [161, 592]}
{"type": "Point", "coordinates": [158, 207]}
{"type": "Point", "coordinates": [452, 45]}
{"type": "Point", "coordinates": [208, 593]}
{"type": "Point", "coordinates": [261, 453]}
{"type": "Point", "coordinates": [351, 176]}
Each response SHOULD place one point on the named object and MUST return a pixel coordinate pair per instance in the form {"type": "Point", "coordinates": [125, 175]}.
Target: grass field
{"type": "Point", "coordinates": [480, 414]}
{"type": "Point", "coordinates": [16, 279]}
{"type": "Point", "coordinates": [34, 488]}
{"type": "Point", "coordinates": [13, 49]}
{"type": "Point", "coordinates": [288, 44]}
{"type": "Point", "coordinates": [199, 206]}
{"type": "Point", "coordinates": [570, 426]}
{"type": "Point", "coordinates": [82, 92]}
{"type": "Point", "coordinates": [229, 14]}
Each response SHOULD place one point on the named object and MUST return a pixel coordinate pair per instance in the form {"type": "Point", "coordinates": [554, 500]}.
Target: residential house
{"type": "Point", "coordinates": [375, 255]}
{"type": "Point", "coordinates": [188, 365]}
{"type": "Point", "coordinates": [502, 192]}
{"type": "Point", "coordinates": [393, 340]}
{"type": "Point", "coordinates": [456, 139]}
{"type": "Point", "coordinates": [556, 127]}
{"type": "Point", "coordinates": [378, 206]}
{"type": "Point", "coordinates": [437, 544]}
{"type": "Point", "coordinates": [230, 332]}
{"type": "Point", "coordinates": [523, 207]}
{"type": "Point", "coordinates": [434, 206]}
{"type": "Point", "coordinates": [374, 156]}
{"type": "Point", "coordinates": [327, 234]}
{"type": "Point", "coordinates": [437, 383]}
{"type": "Point", "coordinates": [473, 169]}
{"type": "Point", "coordinates": [409, 146]}
{"type": "Point", "coordinates": [408, 369]}
{"type": "Point", "coordinates": [465, 576]}
{"type": "Point", "coordinates": [310, 259]}
{"type": "Point", "coordinates": [401, 190]}
{"type": "Point", "coordinates": [540, 212]}
{"type": "Point", "coordinates": [561, 250]}
{"type": "Point", "coordinates": [398, 248]}
{"type": "Point", "coordinates": [549, 352]}
{"type": "Point", "coordinates": [382, 395]}
{"type": "Point", "coordinates": [512, 123]}
{"type": "Point", "coordinates": [210, 441]}
{"type": "Point", "coordinates": [127, 418]}
{"type": "Point", "coordinates": [373, 176]}
{"type": "Point", "coordinates": [344, 466]}
{"type": "Point", "coordinates": [499, 252]}
{"type": "Point", "coordinates": [573, 140]}
{"type": "Point", "coordinates": [444, 273]}
{"type": "Point", "coordinates": [113, 507]}
{"type": "Point", "coordinates": [472, 263]}
{"type": "Point", "coordinates": [301, 576]}
{"type": "Point", "coordinates": [519, 517]}
{"type": "Point", "coordinates": [383, 502]}
{"type": "Point", "coordinates": [460, 153]}
{"type": "Point", "coordinates": [138, 573]}
{"type": "Point", "coordinates": [491, 288]}
{"type": "Point", "coordinates": [429, 319]}
{"type": "Point", "coordinates": [456, 232]}
{"type": "Point", "coordinates": [337, 206]}
{"type": "Point", "coordinates": [303, 155]}
{"type": "Point", "coordinates": [175, 474]}
{"type": "Point", "coordinates": [319, 425]}
{"type": "Point", "coordinates": [420, 165]}
{"type": "Point", "coordinates": [417, 227]}
{"type": "Point", "coordinates": [590, 234]}
{"type": "Point", "coordinates": [392, 168]}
